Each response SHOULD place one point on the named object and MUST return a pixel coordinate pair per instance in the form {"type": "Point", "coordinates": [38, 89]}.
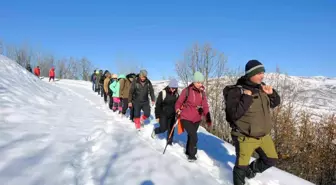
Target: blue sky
{"type": "Point", "coordinates": [299, 36]}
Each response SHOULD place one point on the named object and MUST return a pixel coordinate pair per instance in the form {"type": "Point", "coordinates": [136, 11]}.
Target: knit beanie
{"type": "Point", "coordinates": [143, 73]}
{"type": "Point", "coordinates": [198, 77]}
{"type": "Point", "coordinates": [173, 83]}
{"type": "Point", "coordinates": [253, 67]}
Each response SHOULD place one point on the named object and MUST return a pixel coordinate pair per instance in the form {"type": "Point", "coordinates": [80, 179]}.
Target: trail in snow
{"type": "Point", "coordinates": [117, 154]}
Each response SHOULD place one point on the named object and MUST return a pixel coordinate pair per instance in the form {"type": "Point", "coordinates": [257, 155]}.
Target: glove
{"type": "Point", "coordinates": [200, 110]}
{"type": "Point", "coordinates": [129, 104]}
{"type": "Point", "coordinates": [208, 119]}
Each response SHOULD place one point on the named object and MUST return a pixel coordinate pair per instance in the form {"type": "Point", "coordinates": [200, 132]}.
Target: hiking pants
{"type": "Point", "coordinates": [117, 104]}
{"type": "Point", "coordinates": [166, 123]}
{"type": "Point", "coordinates": [110, 101]}
{"type": "Point", "coordinates": [141, 106]}
{"type": "Point", "coordinates": [245, 146]}
{"type": "Point", "coordinates": [105, 97]}
{"type": "Point", "coordinates": [94, 86]}
{"type": "Point", "coordinates": [131, 113]}
{"type": "Point", "coordinates": [101, 90]}
{"type": "Point", "coordinates": [51, 77]}
{"type": "Point", "coordinates": [191, 128]}
{"type": "Point", "coordinates": [124, 105]}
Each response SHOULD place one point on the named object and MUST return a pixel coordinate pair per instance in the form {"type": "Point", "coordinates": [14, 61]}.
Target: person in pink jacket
{"type": "Point", "coordinates": [191, 106]}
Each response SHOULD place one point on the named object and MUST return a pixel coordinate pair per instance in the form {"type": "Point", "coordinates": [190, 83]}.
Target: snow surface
{"type": "Point", "coordinates": [62, 133]}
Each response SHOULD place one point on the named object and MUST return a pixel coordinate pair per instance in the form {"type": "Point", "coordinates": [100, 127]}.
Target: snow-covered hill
{"type": "Point", "coordinates": [62, 133]}
{"type": "Point", "coordinates": [316, 94]}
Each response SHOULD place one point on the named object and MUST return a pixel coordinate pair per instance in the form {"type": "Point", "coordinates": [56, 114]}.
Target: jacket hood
{"type": "Point", "coordinates": [131, 75]}
{"type": "Point", "coordinates": [122, 76]}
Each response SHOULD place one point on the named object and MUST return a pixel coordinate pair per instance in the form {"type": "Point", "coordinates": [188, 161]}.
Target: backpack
{"type": "Point", "coordinates": [164, 94]}
{"type": "Point", "coordinates": [187, 95]}
{"type": "Point", "coordinates": [101, 80]}
{"type": "Point", "coordinates": [225, 94]}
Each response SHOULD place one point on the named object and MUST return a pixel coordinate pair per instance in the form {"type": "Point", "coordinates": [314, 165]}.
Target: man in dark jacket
{"type": "Point", "coordinates": [101, 83]}
{"type": "Point", "coordinates": [165, 110]}
{"type": "Point", "coordinates": [138, 98]}
{"type": "Point", "coordinates": [28, 67]}
{"type": "Point", "coordinates": [99, 74]}
{"type": "Point", "coordinates": [248, 106]}
{"type": "Point", "coordinates": [93, 80]}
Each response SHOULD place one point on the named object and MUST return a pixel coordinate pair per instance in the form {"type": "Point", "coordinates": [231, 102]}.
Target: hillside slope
{"type": "Point", "coordinates": [62, 133]}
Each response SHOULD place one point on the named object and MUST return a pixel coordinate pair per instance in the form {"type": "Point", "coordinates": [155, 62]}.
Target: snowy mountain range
{"type": "Point", "coordinates": [62, 133]}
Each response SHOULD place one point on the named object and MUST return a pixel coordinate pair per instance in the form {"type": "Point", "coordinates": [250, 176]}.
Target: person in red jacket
{"type": "Point", "coordinates": [37, 71]}
{"type": "Point", "coordinates": [52, 74]}
{"type": "Point", "coordinates": [191, 108]}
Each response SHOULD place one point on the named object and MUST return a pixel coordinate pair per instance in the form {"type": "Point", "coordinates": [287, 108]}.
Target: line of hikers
{"type": "Point", "coordinates": [37, 71]}
{"type": "Point", "coordinates": [247, 108]}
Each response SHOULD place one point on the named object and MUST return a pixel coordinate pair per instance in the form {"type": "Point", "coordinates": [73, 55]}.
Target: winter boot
{"type": "Point", "coordinates": [239, 175]}
{"type": "Point", "coordinates": [137, 123]}
{"type": "Point", "coordinates": [192, 158]}
{"type": "Point", "coordinates": [250, 173]}
{"type": "Point", "coordinates": [258, 166]}
{"type": "Point", "coordinates": [142, 120]}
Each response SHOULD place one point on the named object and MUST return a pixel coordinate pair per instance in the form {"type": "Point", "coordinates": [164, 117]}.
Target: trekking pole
{"type": "Point", "coordinates": [170, 134]}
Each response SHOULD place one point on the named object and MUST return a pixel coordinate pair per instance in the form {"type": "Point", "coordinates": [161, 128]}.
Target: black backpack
{"type": "Point", "coordinates": [225, 94]}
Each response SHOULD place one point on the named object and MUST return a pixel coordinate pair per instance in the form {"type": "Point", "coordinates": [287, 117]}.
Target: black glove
{"type": "Point", "coordinates": [208, 117]}
{"type": "Point", "coordinates": [200, 110]}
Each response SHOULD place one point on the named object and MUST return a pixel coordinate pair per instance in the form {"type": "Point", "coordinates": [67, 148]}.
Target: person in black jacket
{"type": "Point", "coordinates": [101, 84]}
{"type": "Point", "coordinates": [28, 67]}
{"type": "Point", "coordinates": [93, 80]}
{"type": "Point", "coordinates": [165, 110]}
{"type": "Point", "coordinates": [138, 98]}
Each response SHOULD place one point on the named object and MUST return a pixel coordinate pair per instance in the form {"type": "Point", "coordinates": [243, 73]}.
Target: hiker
{"type": "Point", "coordinates": [114, 77]}
{"type": "Point", "coordinates": [125, 85]}
{"type": "Point", "coordinates": [37, 71]}
{"type": "Point", "coordinates": [28, 67]}
{"type": "Point", "coordinates": [52, 74]}
{"type": "Point", "coordinates": [138, 98]}
{"type": "Point", "coordinates": [93, 80]}
{"type": "Point", "coordinates": [106, 87]}
{"type": "Point", "coordinates": [247, 110]}
{"type": "Point", "coordinates": [99, 75]}
{"type": "Point", "coordinates": [115, 87]}
{"type": "Point", "coordinates": [101, 82]}
{"type": "Point", "coordinates": [191, 106]}
{"type": "Point", "coordinates": [165, 110]}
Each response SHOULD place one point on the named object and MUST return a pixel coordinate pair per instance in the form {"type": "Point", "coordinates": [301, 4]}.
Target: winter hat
{"type": "Point", "coordinates": [253, 67]}
{"type": "Point", "coordinates": [198, 77]}
{"type": "Point", "coordinates": [173, 83]}
{"type": "Point", "coordinates": [143, 73]}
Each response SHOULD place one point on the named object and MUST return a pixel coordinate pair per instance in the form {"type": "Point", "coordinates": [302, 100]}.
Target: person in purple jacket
{"type": "Point", "coordinates": [192, 105]}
